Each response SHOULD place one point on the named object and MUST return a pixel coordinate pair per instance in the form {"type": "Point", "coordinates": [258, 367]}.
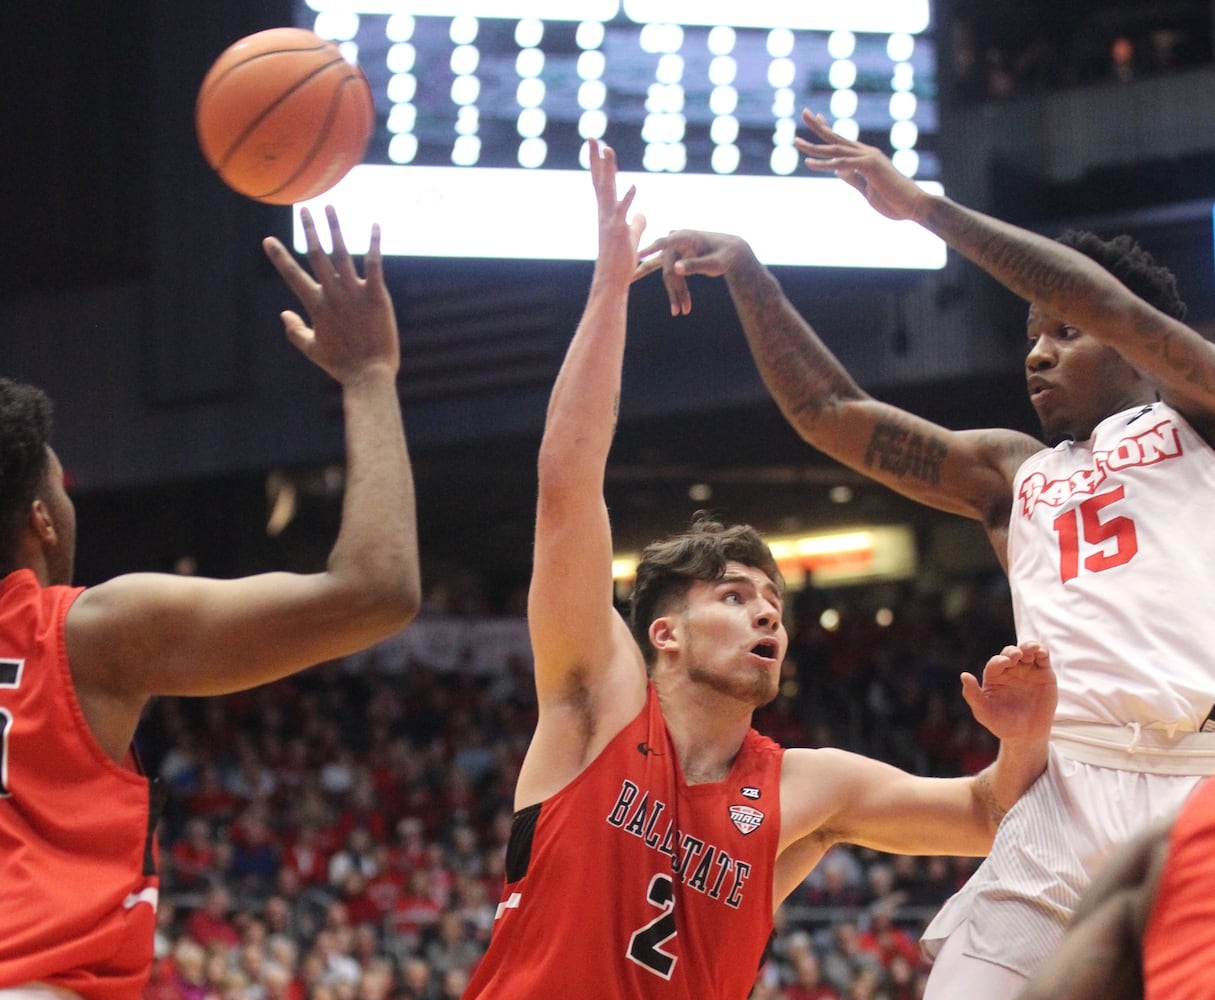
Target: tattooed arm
{"type": "Point", "coordinates": [962, 472]}
{"type": "Point", "coordinates": [1061, 281]}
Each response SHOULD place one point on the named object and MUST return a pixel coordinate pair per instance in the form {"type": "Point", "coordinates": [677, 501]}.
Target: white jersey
{"type": "Point", "coordinates": [1111, 558]}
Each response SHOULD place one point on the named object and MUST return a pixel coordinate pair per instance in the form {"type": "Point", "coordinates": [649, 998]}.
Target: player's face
{"type": "Point", "coordinates": [733, 636]}
{"type": "Point", "coordinates": [1074, 380]}
{"type": "Point", "coordinates": [61, 556]}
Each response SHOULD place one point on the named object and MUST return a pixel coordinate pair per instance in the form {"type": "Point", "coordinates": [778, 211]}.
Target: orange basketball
{"type": "Point", "coordinates": [282, 117]}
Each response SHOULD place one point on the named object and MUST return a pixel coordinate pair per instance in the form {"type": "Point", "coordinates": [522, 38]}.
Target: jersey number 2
{"type": "Point", "coordinates": [1085, 522]}
{"type": "Point", "coordinates": [645, 944]}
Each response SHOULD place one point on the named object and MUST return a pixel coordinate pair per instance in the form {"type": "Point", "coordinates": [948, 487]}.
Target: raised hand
{"type": "Point", "coordinates": [619, 236]}
{"type": "Point", "coordinates": [353, 324]}
{"type": "Point", "coordinates": [686, 252]}
{"type": "Point", "coordinates": [1017, 698]}
{"type": "Point", "coordinates": [866, 168]}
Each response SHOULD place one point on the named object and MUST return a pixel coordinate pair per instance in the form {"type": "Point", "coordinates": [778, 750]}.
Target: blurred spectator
{"type": "Point", "coordinates": [884, 939]}
{"type": "Point", "coordinates": [210, 924]}
{"type": "Point", "coordinates": [356, 854]}
{"type": "Point", "coordinates": [808, 982]}
{"type": "Point", "coordinates": [192, 857]}
{"type": "Point", "coordinates": [188, 972]}
{"type": "Point", "coordinates": [417, 983]}
{"type": "Point", "coordinates": [255, 858]}
{"type": "Point", "coordinates": [843, 958]}
{"type": "Point", "coordinates": [452, 947]}
{"type": "Point", "coordinates": [416, 911]}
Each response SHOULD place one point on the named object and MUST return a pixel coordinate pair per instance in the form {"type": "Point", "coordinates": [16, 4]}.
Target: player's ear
{"type": "Point", "coordinates": [663, 636]}
{"type": "Point", "coordinates": [41, 523]}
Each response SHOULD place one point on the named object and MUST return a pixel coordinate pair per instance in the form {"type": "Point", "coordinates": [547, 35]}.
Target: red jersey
{"type": "Point", "coordinates": [629, 882]}
{"type": "Point", "coordinates": [1177, 940]}
{"type": "Point", "coordinates": [78, 888]}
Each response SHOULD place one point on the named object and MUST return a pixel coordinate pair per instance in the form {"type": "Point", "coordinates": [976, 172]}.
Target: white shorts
{"type": "Point", "coordinates": [36, 991]}
{"type": "Point", "coordinates": [1046, 851]}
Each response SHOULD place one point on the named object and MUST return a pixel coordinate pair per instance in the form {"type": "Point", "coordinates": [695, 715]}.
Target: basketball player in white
{"type": "Point", "coordinates": [1105, 532]}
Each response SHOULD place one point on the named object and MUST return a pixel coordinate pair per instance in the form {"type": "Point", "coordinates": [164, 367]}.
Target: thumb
{"type": "Point", "coordinates": [972, 691]}
{"type": "Point", "coordinates": [298, 332]}
{"type": "Point", "coordinates": [637, 226]}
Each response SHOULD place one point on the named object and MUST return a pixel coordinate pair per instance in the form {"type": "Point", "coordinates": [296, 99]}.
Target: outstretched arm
{"type": "Point", "coordinates": [1063, 281]}
{"type": "Point", "coordinates": [831, 796]}
{"type": "Point", "coordinates": [144, 634]}
{"type": "Point", "coordinates": [962, 472]}
{"type": "Point", "coordinates": [589, 675]}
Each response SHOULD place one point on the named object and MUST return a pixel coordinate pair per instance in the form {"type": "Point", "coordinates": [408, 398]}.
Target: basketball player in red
{"type": "Point", "coordinates": [78, 886]}
{"type": "Point", "coordinates": [1105, 536]}
{"type": "Point", "coordinates": [655, 831]}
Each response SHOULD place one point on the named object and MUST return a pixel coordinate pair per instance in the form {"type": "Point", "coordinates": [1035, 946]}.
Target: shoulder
{"type": "Point", "coordinates": [1007, 450]}
{"type": "Point", "coordinates": [24, 599]}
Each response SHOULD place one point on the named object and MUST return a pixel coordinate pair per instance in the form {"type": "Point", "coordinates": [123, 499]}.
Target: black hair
{"type": "Point", "coordinates": [670, 566]}
{"type": "Point", "coordinates": [25, 434]}
{"type": "Point", "coordinates": [1131, 264]}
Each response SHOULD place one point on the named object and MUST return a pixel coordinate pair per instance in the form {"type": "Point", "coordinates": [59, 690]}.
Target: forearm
{"type": "Point", "coordinates": [801, 373]}
{"type": "Point", "coordinates": [1040, 270]}
{"type": "Point", "coordinates": [582, 409]}
{"type": "Point", "coordinates": [377, 544]}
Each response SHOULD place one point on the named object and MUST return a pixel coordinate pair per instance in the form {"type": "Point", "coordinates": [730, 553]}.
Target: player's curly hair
{"type": "Point", "coordinates": [1131, 264]}
{"type": "Point", "coordinates": [25, 433]}
{"type": "Point", "coordinates": [670, 566]}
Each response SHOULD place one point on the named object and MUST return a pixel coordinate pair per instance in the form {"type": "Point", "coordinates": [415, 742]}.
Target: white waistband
{"type": "Point", "coordinates": [1135, 748]}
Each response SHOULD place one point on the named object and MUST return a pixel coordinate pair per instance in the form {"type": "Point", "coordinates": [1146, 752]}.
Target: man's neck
{"type": "Point", "coordinates": [707, 729]}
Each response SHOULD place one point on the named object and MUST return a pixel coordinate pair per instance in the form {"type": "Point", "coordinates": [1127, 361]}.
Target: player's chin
{"type": "Point", "coordinates": [766, 688]}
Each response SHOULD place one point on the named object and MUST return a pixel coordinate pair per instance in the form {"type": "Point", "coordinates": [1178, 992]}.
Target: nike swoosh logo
{"type": "Point", "coordinates": [149, 896]}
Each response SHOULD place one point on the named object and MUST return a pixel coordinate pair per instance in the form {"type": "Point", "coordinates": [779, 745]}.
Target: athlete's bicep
{"type": "Point", "coordinates": [158, 634]}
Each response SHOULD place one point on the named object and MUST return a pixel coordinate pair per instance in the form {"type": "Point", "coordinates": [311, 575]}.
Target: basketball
{"type": "Point", "coordinates": [281, 116]}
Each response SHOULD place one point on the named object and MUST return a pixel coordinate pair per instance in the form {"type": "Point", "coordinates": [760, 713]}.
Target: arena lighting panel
{"type": "Point", "coordinates": [866, 554]}
{"type": "Point", "coordinates": [485, 108]}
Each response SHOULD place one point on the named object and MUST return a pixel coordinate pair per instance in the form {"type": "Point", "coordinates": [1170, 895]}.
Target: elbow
{"type": "Point", "coordinates": [404, 601]}
{"type": "Point", "coordinates": [401, 595]}
{"type": "Point", "coordinates": [383, 599]}
{"type": "Point", "coordinates": [388, 611]}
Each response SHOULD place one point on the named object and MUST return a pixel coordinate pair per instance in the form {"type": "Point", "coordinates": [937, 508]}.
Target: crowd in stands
{"type": "Point", "coordinates": [340, 835]}
{"type": "Point", "coordinates": [1003, 50]}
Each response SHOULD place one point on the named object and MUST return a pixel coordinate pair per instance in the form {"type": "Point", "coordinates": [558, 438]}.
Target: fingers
{"type": "Point", "coordinates": [657, 246]}
{"type": "Point", "coordinates": [646, 267]}
{"type": "Point", "coordinates": [624, 204]}
{"type": "Point", "coordinates": [603, 170]}
{"type": "Point", "coordinates": [663, 254]}
{"type": "Point", "coordinates": [678, 293]}
{"type": "Point", "coordinates": [1028, 658]}
{"type": "Point", "coordinates": [373, 262]}
{"type": "Point", "coordinates": [296, 278]}
{"type": "Point", "coordinates": [817, 124]}
{"type": "Point", "coordinates": [339, 259]}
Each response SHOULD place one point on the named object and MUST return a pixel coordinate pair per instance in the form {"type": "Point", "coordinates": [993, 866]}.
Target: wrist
{"type": "Point", "coordinates": [370, 375]}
